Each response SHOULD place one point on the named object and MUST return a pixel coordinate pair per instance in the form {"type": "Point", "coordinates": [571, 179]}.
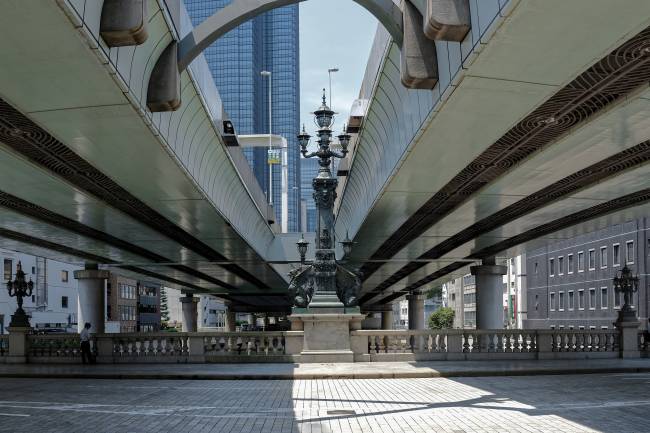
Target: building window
{"type": "Point", "coordinates": [551, 267]}
{"type": "Point", "coordinates": [33, 270]}
{"type": "Point", "coordinates": [560, 265]}
{"type": "Point", "coordinates": [581, 261]}
{"type": "Point", "coordinates": [552, 301]}
{"type": "Point", "coordinates": [561, 298]}
{"type": "Point", "coordinates": [592, 259]}
{"type": "Point", "coordinates": [592, 299]}
{"type": "Point", "coordinates": [581, 299]}
{"type": "Point", "coordinates": [618, 297]}
{"type": "Point", "coordinates": [7, 269]}
{"type": "Point", "coordinates": [536, 268]}
{"type": "Point", "coordinates": [616, 255]}
{"type": "Point", "coordinates": [64, 276]}
{"type": "Point", "coordinates": [571, 300]}
{"type": "Point", "coordinates": [629, 252]}
{"type": "Point", "coordinates": [569, 260]}
{"type": "Point", "coordinates": [603, 298]}
{"type": "Point", "coordinates": [603, 257]}
{"type": "Point", "coordinates": [64, 302]}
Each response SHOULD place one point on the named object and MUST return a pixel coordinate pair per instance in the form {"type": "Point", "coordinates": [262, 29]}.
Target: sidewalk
{"type": "Point", "coordinates": [375, 370]}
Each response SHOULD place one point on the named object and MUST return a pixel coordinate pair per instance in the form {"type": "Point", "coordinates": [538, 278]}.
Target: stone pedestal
{"type": "Point", "coordinates": [18, 344]}
{"type": "Point", "coordinates": [91, 306]}
{"type": "Point", "coordinates": [190, 313]}
{"type": "Point", "coordinates": [628, 338]}
{"type": "Point", "coordinates": [326, 335]}
{"type": "Point", "coordinates": [489, 294]}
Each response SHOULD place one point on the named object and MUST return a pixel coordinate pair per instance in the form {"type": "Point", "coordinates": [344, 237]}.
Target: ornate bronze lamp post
{"type": "Point", "coordinates": [628, 284]}
{"type": "Point", "coordinates": [324, 284]}
{"type": "Point", "coordinates": [20, 288]}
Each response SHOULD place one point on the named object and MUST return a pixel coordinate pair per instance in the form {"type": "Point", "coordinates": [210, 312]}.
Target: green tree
{"type": "Point", "coordinates": [442, 318]}
{"type": "Point", "coordinates": [164, 309]}
{"type": "Point", "coordinates": [434, 292]}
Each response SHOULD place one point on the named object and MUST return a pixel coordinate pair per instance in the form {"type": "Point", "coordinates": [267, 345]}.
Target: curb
{"type": "Point", "coordinates": [312, 376]}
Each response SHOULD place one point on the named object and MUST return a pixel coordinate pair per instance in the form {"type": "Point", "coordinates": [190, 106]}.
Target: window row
{"type": "Point", "coordinates": [570, 301]}
{"type": "Point", "coordinates": [558, 265]}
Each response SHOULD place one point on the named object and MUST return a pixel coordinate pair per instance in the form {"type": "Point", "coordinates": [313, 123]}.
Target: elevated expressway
{"type": "Point", "coordinates": [88, 174]}
{"type": "Point", "coordinates": [537, 130]}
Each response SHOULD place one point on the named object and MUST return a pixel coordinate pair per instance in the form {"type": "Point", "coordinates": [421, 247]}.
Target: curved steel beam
{"type": "Point", "coordinates": [240, 11]}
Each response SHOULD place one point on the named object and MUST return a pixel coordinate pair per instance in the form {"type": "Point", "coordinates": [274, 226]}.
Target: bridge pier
{"type": "Point", "coordinates": [489, 294]}
{"type": "Point", "coordinates": [231, 320]}
{"type": "Point", "coordinates": [416, 310]}
{"type": "Point", "coordinates": [92, 301]}
{"type": "Point", "coordinates": [190, 313]}
{"type": "Point", "coordinates": [387, 317]}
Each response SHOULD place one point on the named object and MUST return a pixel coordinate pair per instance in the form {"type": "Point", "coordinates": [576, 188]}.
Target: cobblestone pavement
{"type": "Point", "coordinates": [573, 403]}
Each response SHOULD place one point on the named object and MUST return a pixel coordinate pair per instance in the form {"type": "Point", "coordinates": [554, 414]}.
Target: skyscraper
{"type": "Point", "coordinates": [268, 42]}
{"type": "Point", "coordinates": [308, 171]}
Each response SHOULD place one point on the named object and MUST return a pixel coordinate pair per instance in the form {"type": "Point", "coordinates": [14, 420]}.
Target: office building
{"type": "Point", "coordinates": [308, 171]}
{"type": "Point", "coordinates": [570, 282]}
{"type": "Point", "coordinates": [268, 42]}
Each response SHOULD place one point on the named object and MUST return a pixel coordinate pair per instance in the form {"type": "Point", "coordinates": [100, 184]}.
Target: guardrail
{"type": "Point", "coordinates": [55, 348]}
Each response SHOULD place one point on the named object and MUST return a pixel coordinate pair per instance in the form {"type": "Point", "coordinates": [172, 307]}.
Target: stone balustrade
{"type": "Point", "coordinates": [366, 345]}
{"type": "Point", "coordinates": [54, 348]}
{"type": "Point", "coordinates": [458, 344]}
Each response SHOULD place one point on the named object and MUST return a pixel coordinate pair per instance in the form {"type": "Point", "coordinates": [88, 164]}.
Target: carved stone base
{"type": "Point", "coordinates": [327, 336]}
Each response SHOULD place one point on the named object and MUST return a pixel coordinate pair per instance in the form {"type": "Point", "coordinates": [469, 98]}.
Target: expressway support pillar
{"type": "Point", "coordinates": [91, 307]}
{"type": "Point", "coordinates": [230, 319]}
{"type": "Point", "coordinates": [387, 317]}
{"type": "Point", "coordinates": [489, 294]}
{"type": "Point", "coordinates": [416, 310]}
{"type": "Point", "coordinates": [190, 313]}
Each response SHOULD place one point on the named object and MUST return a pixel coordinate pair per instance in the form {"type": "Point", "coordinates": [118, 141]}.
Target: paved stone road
{"type": "Point", "coordinates": [575, 403]}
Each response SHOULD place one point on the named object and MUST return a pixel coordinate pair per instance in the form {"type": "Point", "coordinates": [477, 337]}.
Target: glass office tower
{"type": "Point", "coordinates": [268, 42]}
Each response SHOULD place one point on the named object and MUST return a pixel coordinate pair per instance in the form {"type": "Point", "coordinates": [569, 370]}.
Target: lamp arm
{"type": "Point", "coordinates": [309, 155]}
{"type": "Point", "coordinates": [336, 154]}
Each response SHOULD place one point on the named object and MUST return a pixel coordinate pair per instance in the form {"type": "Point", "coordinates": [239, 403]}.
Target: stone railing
{"type": "Point", "coordinates": [55, 348]}
{"type": "Point", "coordinates": [183, 347]}
{"type": "Point", "coordinates": [456, 344]}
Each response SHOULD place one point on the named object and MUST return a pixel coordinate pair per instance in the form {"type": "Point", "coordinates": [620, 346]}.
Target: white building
{"type": "Point", "coordinates": [211, 311]}
{"type": "Point", "coordinates": [53, 303]}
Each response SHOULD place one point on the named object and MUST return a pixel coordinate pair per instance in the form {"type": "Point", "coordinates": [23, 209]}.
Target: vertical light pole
{"type": "Point", "coordinates": [329, 72]}
{"type": "Point", "coordinates": [268, 156]}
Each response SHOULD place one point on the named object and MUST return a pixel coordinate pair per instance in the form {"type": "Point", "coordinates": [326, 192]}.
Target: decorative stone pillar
{"type": "Point", "coordinates": [190, 313]}
{"type": "Point", "coordinates": [92, 298]}
{"type": "Point", "coordinates": [628, 338]}
{"type": "Point", "coordinates": [387, 318]}
{"type": "Point", "coordinates": [416, 310]}
{"type": "Point", "coordinates": [489, 294]}
{"type": "Point", "coordinates": [231, 321]}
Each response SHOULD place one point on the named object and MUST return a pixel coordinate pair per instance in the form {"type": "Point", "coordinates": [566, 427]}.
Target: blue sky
{"type": "Point", "coordinates": [333, 34]}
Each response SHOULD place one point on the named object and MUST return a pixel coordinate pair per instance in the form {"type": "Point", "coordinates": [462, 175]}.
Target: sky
{"type": "Point", "coordinates": [333, 34]}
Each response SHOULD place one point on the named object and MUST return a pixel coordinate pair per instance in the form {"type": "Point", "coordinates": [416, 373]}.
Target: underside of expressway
{"type": "Point", "coordinates": [535, 129]}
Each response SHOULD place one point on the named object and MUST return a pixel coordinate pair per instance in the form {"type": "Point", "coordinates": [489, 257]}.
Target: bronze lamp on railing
{"type": "Point", "coordinates": [20, 288]}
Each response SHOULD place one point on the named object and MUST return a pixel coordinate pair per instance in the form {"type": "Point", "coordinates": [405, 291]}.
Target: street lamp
{"type": "Point", "coordinates": [19, 288]}
{"type": "Point", "coordinates": [268, 156]}
{"type": "Point", "coordinates": [321, 283]}
{"type": "Point", "coordinates": [628, 284]}
{"type": "Point", "coordinates": [302, 245]}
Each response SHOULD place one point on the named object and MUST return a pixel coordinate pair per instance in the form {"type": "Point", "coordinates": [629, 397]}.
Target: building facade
{"type": "Point", "coordinates": [268, 42]}
{"type": "Point", "coordinates": [53, 304]}
{"type": "Point", "coordinates": [570, 282]}
{"type": "Point", "coordinates": [308, 171]}
{"type": "Point", "coordinates": [148, 306]}
{"type": "Point", "coordinates": [122, 303]}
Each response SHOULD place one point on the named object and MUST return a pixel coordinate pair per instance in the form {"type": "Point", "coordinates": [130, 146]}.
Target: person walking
{"type": "Point", "coordinates": [84, 336]}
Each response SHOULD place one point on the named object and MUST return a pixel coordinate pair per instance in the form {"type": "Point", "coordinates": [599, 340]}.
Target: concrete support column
{"type": "Point", "coordinates": [251, 319]}
{"type": "Point", "coordinates": [416, 310]}
{"type": "Point", "coordinates": [489, 294]}
{"type": "Point", "coordinates": [92, 298]}
{"type": "Point", "coordinates": [266, 321]}
{"type": "Point", "coordinates": [230, 319]}
{"type": "Point", "coordinates": [387, 318]}
{"type": "Point", "coordinates": [190, 312]}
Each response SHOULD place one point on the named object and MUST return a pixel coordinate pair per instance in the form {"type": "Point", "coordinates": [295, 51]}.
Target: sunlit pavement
{"type": "Point", "coordinates": [571, 403]}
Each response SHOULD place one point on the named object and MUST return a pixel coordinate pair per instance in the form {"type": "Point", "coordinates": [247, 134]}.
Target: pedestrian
{"type": "Point", "coordinates": [86, 355]}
